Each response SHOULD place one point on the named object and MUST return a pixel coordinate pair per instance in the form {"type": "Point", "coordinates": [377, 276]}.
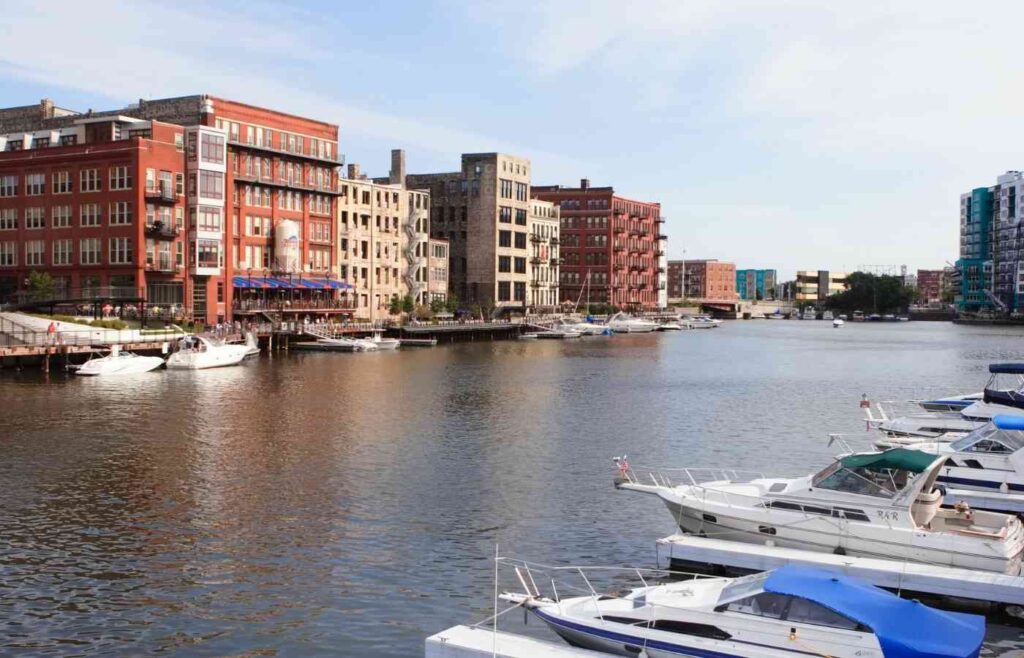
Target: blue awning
{"type": "Point", "coordinates": [246, 282]}
{"type": "Point", "coordinates": [905, 629]}
{"type": "Point", "coordinates": [1006, 368]}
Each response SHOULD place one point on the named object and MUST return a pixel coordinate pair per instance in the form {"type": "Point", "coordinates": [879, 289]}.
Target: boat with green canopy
{"type": "Point", "coordinates": [875, 504]}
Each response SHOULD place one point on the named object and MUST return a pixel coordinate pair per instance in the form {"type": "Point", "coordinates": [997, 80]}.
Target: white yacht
{"type": "Point", "coordinates": [383, 343]}
{"type": "Point", "coordinates": [828, 315]}
{"type": "Point", "coordinates": [340, 344]}
{"type": "Point", "coordinates": [621, 323]}
{"type": "Point", "coordinates": [200, 353]}
{"type": "Point", "coordinates": [883, 505]}
{"type": "Point", "coordinates": [809, 314]}
{"type": "Point", "coordinates": [670, 325]}
{"type": "Point", "coordinates": [252, 347]}
{"type": "Point", "coordinates": [702, 322]}
{"type": "Point", "coordinates": [558, 333]}
{"type": "Point", "coordinates": [790, 611]}
{"type": "Point", "coordinates": [838, 322]}
{"type": "Point", "coordinates": [117, 363]}
{"type": "Point", "coordinates": [583, 328]}
{"type": "Point", "coordinates": [991, 458]}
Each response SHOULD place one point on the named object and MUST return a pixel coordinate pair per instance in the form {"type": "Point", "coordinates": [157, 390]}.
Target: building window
{"type": "Point", "coordinates": [522, 192]}
{"type": "Point", "coordinates": [179, 184]}
{"type": "Point", "coordinates": [504, 263]}
{"type": "Point", "coordinates": [89, 214]}
{"type": "Point", "coordinates": [8, 219]}
{"type": "Point", "coordinates": [89, 180]}
{"type": "Point", "coordinates": [504, 291]}
{"type": "Point", "coordinates": [35, 252]}
{"type": "Point", "coordinates": [208, 254]}
{"type": "Point", "coordinates": [8, 186]}
{"type": "Point", "coordinates": [520, 217]}
{"type": "Point", "coordinates": [210, 219]}
{"type": "Point", "coordinates": [504, 238]}
{"type": "Point", "coordinates": [506, 188]}
{"type": "Point", "coordinates": [61, 216]}
{"type": "Point", "coordinates": [120, 178]}
{"type": "Point", "coordinates": [120, 251]}
{"type": "Point", "coordinates": [35, 218]}
{"type": "Point", "coordinates": [520, 240]}
{"type": "Point", "coordinates": [35, 184]}
{"type": "Point", "coordinates": [8, 254]}
{"type": "Point", "coordinates": [505, 215]}
{"type": "Point", "coordinates": [212, 148]}
{"type": "Point", "coordinates": [61, 182]}
{"type": "Point", "coordinates": [120, 213]}
{"type": "Point", "coordinates": [89, 251]}
{"type": "Point", "coordinates": [62, 252]}
{"type": "Point", "coordinates": [520, 265]}
{"type": "Point", "coordinates": [211, 185]}
{"type": "Point", "coordinates": [520, 291]}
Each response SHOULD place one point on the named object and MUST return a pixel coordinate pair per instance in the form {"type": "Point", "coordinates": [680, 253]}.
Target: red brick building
{"type": "Point", "coordinates": [173, 201]}
{"type": "Point", "coordinates": [930, 284]}
{"type": "Point", "coordinates": [709, 279]}
{"type": "Point", "coordinates": [610, 239]}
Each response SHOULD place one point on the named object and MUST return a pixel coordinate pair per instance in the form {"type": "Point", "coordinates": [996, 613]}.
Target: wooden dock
{"type": "Point", "coordinates": [477, 642]}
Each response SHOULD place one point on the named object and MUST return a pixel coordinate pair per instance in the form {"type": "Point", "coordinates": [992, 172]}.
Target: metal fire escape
{"type": "Point", "coordinates": [412, 260]}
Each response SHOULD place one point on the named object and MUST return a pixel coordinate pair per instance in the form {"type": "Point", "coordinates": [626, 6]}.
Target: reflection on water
{"type": "Point", "coordinates": [314, 504]}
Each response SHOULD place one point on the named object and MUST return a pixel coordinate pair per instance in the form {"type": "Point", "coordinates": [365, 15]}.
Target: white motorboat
{"type": "Point", "coordinates": [777, 315]}
{"type": "Point", "coordinates": [532, 335]}
{"type": "Point", "coordinates": [583, 328]}
{"type": "Point", "coordinates": [790, 611]}
{"type": "Point", "coordinates": [383, 343]}
{"type": "Point", "coordinates": [838, 323]}
{"type": "Point", "coordinates": [701, 322]}
{"type": "Point", "coordinates": [809, 314]}
{"type": "Point", "coordinates": [117, 363]}
{"type": "Point", "coordinates": [621, 323]}
{"type": "Point", "coordinates": [965, 413]}
{"type": "Point", "coordinates": [991, 458]}
{"type": "Point", "coordinates": [671, 325]}
{"type": "Point", "coordinates": [200, 353]}
{"type": "Point", "coordinates": [828, 315]}
{"type": "Point", "coordinates": [879, 504]}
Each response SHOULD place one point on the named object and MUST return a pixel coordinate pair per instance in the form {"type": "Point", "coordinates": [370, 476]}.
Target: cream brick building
{"type": "Point", "coordinates": [437, 267]}
{"type": "Point", "coordinates": [543, 268]}
{"type": "Point", "coordinates": [382, 239]}
{"type": "Point", "coordinates": [483, 212]}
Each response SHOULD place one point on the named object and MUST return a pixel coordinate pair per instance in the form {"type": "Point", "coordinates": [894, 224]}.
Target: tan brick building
{"type": "Point", "coordinates": [543, 267]}
{"type": "Point", "coordinates": [709, 279]}
{"type": "Point", "coordinates": [437, 269]}
{"type": "Point", "coordinates": [482, 211]}
{"type": "Point", "coordinates": [382, 239]}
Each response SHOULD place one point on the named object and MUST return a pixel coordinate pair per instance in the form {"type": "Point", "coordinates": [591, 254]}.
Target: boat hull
{"type": "Point", "coordinates": [831, 535]}
{"type": "Point", "coordinates": [106, 367]}
{"type": "Point", "coordinates": [207, 360]}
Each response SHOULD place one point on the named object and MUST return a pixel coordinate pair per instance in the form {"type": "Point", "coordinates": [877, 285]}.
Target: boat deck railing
{"type": "Point", "coordinates": [673, 477]}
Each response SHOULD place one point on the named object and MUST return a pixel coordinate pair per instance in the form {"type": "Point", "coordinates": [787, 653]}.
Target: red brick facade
{"type": "Point", "coordinates": [611, 239]}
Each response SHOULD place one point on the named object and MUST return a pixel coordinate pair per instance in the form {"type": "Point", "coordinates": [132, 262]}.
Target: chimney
{"type": "Point", "coordinates": [397, 174]}
{"type": "Point", "coordinates": [584, 183]}
{"type": "Point", "coordinates": [46, 108]}
{"type": "Point", "coordinates": [353, 171]}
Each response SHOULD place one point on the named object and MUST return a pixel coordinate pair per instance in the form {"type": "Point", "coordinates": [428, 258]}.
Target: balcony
{"type": "Point", "coordinates": [554, 262]}
{"type": "Point", "coordinates": [162, 193]}
{"type": "Point", "coordinates": [535, 238]}
{"type": "Point", "coordinates": [162, 231]}
{"type": "Point", "coordinates": [662, 236]}
{"type": "Point", "coordinates": [535, 284]}
{"type": "Point", "coordinates": [284, 184]}
{"type": "Point", "coordinates": [260, 148]}
{"type": "Point", "coordinates": [554, 240]}
{"type": "Point", "coordinates": [536, 260]}
{"type": "Point", "coordinates": [162, 265]}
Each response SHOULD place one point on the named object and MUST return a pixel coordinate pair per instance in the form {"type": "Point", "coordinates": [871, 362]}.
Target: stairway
{"type": "Point", "coordinates": [413, 261]}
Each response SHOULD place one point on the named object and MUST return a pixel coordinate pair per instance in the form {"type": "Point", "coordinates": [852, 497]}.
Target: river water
{"type": "Point", "coordinates": [349, 504]}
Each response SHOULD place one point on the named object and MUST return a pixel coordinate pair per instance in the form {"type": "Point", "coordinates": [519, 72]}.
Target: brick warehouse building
{"type": "Point", "coordinates": [169, 200]}
{"type": "Point", "coordinates": [611, 239]}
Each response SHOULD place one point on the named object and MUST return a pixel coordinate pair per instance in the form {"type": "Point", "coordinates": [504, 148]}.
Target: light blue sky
{"type": "Point", "coordinates": [792, 134]}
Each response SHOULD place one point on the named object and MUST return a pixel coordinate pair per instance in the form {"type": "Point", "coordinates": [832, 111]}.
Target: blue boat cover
{"type": "Point", "coordinates": [1007, 422]}
{"type": "Point", "coordinates": [1006, 368]}
{"type": "Point", "coordinates": [905, 629]}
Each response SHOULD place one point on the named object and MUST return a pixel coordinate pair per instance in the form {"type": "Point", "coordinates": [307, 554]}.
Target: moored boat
{"type": "Point", "coordinates": [383, 343]}
{"type": "Point", "coordinates": [200, 353]}
{"type": "Point", "coordinates": [117, 363]}
{"type": "Point", "coordinates": [885, 505]}
{"type": "Point", "coordinates": [622, 323]}
{"type": "Point", "coordinates": [790, 611]}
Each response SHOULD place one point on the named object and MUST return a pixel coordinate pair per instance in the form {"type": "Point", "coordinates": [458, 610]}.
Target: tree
{"type": "Point", "coordinates": [873, 294]}
{"type": "Point", "coordinates": [395, 307]}
{"type": "Point", "coordinates": [438, 305]}
{"type": "Point", "coordinates": [452, 303]}
{"type": "Point", "coordinates": [408, 304]}
{"type": "Point", "coordinates": [41, 285]}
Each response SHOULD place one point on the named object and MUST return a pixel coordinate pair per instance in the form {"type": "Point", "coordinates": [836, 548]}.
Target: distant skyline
{"type": "Point", "coordinates": [788, 135]}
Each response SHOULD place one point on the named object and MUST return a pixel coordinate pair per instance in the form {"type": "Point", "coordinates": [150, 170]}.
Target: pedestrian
{"type": "Point", "coordinates": [51, 333]}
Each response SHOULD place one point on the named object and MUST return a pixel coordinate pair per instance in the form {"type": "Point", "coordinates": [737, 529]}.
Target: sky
{"type": "Point", "coordinates": [786, 134]}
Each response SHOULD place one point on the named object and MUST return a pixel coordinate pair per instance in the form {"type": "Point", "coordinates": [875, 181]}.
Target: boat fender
{"type": "Point", "coordinates": [941, 489]}
{"type": "Point", "coordinates": [1004, 488]}
{"type": "Point", "coordinates": [839, 550]}
{"type": "Point", "coordinates": [963, 508]}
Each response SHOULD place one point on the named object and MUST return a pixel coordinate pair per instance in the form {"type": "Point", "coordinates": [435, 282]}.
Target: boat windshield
{"type": "Point", "coordinates": [742, 587]}
{"type": "Point", "coordinates": [991, 439]}
{"type": "Point", "coordinates": [866, 481]}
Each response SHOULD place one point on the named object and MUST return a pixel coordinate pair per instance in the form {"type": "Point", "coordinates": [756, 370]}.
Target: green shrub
{"type": "Point", "coordinates": [109, 324]}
